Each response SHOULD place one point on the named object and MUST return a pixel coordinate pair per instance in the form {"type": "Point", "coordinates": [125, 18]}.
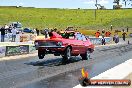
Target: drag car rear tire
{"type": "Point", "coordinates": [41, 54]}
{"type": "Point", "coordinates": [86, 56]}
{"type": "Point", "coordinates": [67, 54]}
{"type": "Point", "coordinates": [84, 82]}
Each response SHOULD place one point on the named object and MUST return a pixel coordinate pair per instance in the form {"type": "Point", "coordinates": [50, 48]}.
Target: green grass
{"type": "Point", "coordinates": [61, 18]}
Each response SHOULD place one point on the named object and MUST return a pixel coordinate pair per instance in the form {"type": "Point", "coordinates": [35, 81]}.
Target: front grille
{"type": "Point", "coordinates": [47, 44]}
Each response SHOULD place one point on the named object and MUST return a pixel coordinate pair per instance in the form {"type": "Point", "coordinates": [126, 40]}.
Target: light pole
{"type": "Point", "coordinates": [111, 27]}
{"type": "Point", "coordinates": [95, 9]}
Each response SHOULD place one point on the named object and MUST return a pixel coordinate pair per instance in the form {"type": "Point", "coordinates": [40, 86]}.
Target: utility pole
{"type": "Point", "coordinates": [96, 9]}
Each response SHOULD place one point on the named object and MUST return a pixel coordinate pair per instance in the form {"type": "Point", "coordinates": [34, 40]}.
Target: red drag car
{"type": "Point", "coordinates": [66, 44]}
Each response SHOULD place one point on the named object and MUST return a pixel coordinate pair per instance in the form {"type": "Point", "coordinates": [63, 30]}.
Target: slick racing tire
{"type": "Point", "coordinates": [67, 54]}
{"type": "Point", "coordinates": [41, 54]}
{"type": "Point", "coordinates": [86, 56]}
{"type": "Point", "coordinates": [84, 82]}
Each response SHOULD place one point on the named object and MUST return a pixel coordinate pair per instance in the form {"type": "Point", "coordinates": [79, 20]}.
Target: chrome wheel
{"type": "Point", "coordinates": [88, 54]}
{"type": "Point", "coordinates": [68, 53]}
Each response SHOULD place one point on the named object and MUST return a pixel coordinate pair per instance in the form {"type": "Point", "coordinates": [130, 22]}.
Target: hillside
{"type": "Point", "coordinates": [61, 18]}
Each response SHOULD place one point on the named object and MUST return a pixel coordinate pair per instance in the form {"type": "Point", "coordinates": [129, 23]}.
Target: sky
{"type": "Point", "coordinates": [86, 4]}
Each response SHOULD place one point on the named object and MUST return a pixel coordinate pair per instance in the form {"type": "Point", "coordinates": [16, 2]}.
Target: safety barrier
{"type": "Point", "coordinates": [16, 50]}
{"type": "Point", "coordinates": [98, 40]}
{"type": "Point", "coordinates": [2, 51]}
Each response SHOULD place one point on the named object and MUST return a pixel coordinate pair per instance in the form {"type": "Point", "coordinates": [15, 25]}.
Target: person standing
{"type": "Point", "coordinates": [116, 38]}
{"type": "Point", "coordinates": [111, 27]}
{"type": "Point", "coordinates": [9, 29]}
{"type": "Point", "coordinates": [124, 35]}
{"type": "Point", "coordinates": [46, 32]}
{"type": "Point", "coordinates": [37, 31]}
{"type": "Point", "coordinates": [97, 34]}
{"type": "Point", "coordinates": [107, 34]}
{"type": "Point", "coordinates": [127, 28]}
{"type": "Point", "coordinates": [55, 30]}
{"type": "Point", "coordinates": [123, 30]}
{"type": "Point", "coordinates": [103, 40]}
{"type": "Point", "coordinates": [103, 33]}
{"type": "Point", "coordinates": [2, 34]}
{"type": "Point", "coordinates": [6, 28]}
{"type": "Point", "coordinates": [14, 32]}
{"type": "Point", "coordinates": [34, 31]}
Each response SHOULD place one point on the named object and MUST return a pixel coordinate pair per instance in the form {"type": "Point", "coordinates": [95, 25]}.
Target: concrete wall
{"type": "Point", "coordinates": [2, 51]}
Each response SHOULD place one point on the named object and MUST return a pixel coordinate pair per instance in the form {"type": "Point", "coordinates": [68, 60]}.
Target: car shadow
{"type": "Point", "coordinates": [53, 62]}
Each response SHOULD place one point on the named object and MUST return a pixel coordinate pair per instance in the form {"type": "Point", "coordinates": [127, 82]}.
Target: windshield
{"type": "Point", "coordinates": [67, 35]}
{"type": "Point", "coordinates": [18, 25]}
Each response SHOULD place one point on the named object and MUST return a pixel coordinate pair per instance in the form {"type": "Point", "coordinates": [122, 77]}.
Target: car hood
{"type": "Point", "coordinates": [54, 35]}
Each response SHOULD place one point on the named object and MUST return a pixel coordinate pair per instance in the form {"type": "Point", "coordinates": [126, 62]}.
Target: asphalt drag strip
{"type": "Point", "coordinates": [51, 73]}
{"type": "Point", "coordinates": [94, 66]}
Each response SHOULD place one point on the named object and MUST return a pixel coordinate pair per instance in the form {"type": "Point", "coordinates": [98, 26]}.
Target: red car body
{"type": "Point", "coordinates": [59, 45]}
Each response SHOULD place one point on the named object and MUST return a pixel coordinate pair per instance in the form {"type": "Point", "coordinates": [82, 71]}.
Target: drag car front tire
{"type": "Point", "coordinates": [41, 54]}
{"type": "Point", "coordinates": [86, 56]}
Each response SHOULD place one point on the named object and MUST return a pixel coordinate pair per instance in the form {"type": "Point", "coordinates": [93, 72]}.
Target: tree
{"type": "Point", "coordinates": [117, 6]}
{"type": "Point", "coordinates": [127, 2]}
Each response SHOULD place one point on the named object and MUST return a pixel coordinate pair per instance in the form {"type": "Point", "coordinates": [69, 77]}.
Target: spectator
{"type": "Point", "coordinates": [9, 29]}
{"type": "Point", "coordinates": [46, 32]}
{"type": "Point", "coordinates": [111, 27]}
{"type": "Point", "coordinates": [55, 30]}
{"type": "Point", "coordinates": [51, 30]}
{"type": "Point", "coordinates": [79, 36]}
{"type": "Point", "coordinates": [107, 34]}
{"type": "Point", "coordinates": [103, 40]}
{"type": "Point", "coordinates": [2, 34]}
{"type": "Point", "coordinates": [58, 32]}
{"type": "Point", "coordinates": [34, 31]}
{"type": "Point", "coordinates": [124, 35]}
{"type": "Point", "coordinates": [127, 28]}
{"type": "Point", "coordinates": [123, 30]}
{"type": "Point", "coordinates": [84, 38]}
{"type": "Point", "coordinates": [6, 27]}
{"type": "Point", "coordinates": [97, 34]}
{"type": "Point", "coordinates": [103, 33]}
{"type": "Point", "coordinates": [37, 31]}
{"type": "Point", "coordinates": [116, 38]}
{"type": "Point", "coordinates": [76, 30]}
{"type": "Point", "coordinates": [14, 32]}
